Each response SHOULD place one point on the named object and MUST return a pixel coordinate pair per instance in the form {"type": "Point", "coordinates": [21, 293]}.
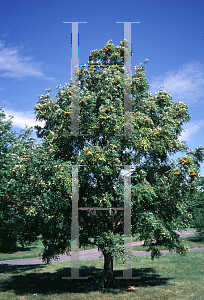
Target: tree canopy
{"type": "Point", "coordinates": [160, 186]}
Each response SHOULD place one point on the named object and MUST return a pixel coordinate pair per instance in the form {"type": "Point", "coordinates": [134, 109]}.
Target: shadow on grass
{"type": "Point", "coordinates": [196, 239]}
{"type": "Point", "coordinates": [20, 249]}
{"type": "Point", "coordinates": [38, 281]}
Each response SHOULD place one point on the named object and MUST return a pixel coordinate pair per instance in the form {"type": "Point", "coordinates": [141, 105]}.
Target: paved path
{"type": "Point", "coordinates": [91, 254]}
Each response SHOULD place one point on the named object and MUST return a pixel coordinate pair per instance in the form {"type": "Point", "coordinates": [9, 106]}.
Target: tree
{"type": "Point", "coordinates": [196, 206]}
{"type": "Point", "coordinates": [7, 237]}
{"type": "Point", "coordinates": [33, 194]}
{"type": "Point", "coordinates": [160, 186]}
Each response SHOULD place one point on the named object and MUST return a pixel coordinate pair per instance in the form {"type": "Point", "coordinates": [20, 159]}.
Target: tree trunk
{"type": "Point", "coordinates": [108, 262]}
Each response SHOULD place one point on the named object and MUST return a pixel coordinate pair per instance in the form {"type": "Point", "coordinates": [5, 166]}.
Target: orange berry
{"type": "Point", "coordinates": [89, 153]}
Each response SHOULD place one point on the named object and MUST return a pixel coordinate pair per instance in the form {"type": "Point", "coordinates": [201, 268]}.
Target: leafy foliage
{"type": "Point", "coordinates": [7, 237]}
{"type": "Point", "coordinates": [34, 192]}
{"type": "Point", "coordinates": [196, 206]}
{"type": "Point", "coordinates": [105, 279]}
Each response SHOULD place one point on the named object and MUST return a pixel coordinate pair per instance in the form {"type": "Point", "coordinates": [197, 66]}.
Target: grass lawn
{"type": "Point", "coordinates": [190, 242]}
{"type": "Point", "coordinates": [170, 277]}
{"type": "Point", "coordinates": [35, 250]}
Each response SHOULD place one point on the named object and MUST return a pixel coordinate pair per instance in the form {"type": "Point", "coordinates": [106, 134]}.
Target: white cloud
{"type": "Point", "coordinates": [20, 118]}
{"type": "Point", "coordinates": [15, 65]}
{"type": "Point", "coordinates": [190, 130]}
{"type": "Point", "coordinates": [185, 84]}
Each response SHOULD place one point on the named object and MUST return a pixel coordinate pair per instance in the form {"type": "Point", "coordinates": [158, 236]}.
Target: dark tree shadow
{"type": "Point", "coordinates": [20, 249]}
{"type": "Point", "coordinates": [46, 283]}
{"type": "Point", "coordinates": [196, 239]}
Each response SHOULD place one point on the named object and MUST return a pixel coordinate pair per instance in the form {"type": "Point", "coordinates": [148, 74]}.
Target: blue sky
{"type": "Point", "coordinates": [35, 50]}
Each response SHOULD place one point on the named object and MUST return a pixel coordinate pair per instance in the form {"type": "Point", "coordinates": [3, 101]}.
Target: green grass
{"type": "Point", "coordinates": [171, 277]}
{"type": "Point", "coordinates": [190, 229]}
{"type": "Point", "coordinates": [35, 250]}
{"type": "Point", "coordinates": [190, 242]}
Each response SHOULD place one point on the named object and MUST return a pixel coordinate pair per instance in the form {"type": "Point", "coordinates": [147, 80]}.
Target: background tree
{"type": "Point", "coordinates": [196, 206]}
{"type": "Point", "coordinates": [7, 236]}
{"type": "Point", "coordinates": [34, 194]}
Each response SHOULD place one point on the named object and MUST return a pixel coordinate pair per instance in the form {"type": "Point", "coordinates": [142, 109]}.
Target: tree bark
{"type": "Point", "coordinates": [108, 262]}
